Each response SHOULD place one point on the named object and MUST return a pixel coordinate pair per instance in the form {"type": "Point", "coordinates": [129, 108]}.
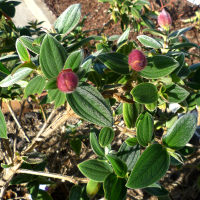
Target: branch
{"type": "Point", "coordinates": [17, 122]}
{"type": "Point", "coordinates": [71, 179]}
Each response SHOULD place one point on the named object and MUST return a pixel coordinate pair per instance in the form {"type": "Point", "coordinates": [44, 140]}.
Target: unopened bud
{"type": "Point", "coordinates": [164, 20]}
{"type": "Point", "coordinates": [67, 81]}
{"type": "Point", "coordinates": [137, 60]}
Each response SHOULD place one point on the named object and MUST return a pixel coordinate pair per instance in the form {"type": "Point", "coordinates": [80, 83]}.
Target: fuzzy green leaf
{"type": "Point", "coordinates": [115, 61]}
{"type": "Point", "coordinates": [95, 169]}
{"type": "Point", "coordinates": [3, 128]}
{"type": "Point", "coordinates": [159, 66]}
{"type": "Point", "coordinates": [181, 132]}
{"type": "Point", "coordinates": [106, 136]}
{"type": "Point", "coordinates": [88, 103]}
{"type": "Point", "coordinates": [52, 57]}
{"type": "Point", "coordinates": [35, 86]}
{"type": "Point", "coordinates": [118, 165]}
{"type": "Point", "coordinates": [69, 19]}
{"type": "Point", "coordinates": [145, 129]}
{"type": "Point", "coordinates": [114, 187]}
{"type": "Point", "coordinates": [149, 42]}
{"type": "Point", "coordinates": [145, 93]}
{"type": "Point", "coordinates": [74, 60]}
{"type": "Point", "coordinates": [150, 167]}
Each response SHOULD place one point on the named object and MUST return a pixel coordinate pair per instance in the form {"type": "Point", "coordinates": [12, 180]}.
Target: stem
{"type": "Point", "coordinates": [42, 110]}
{"type": "Point", "coordinates": [17, 122]}
{"type": "Point", "coordinates": [71, 179]}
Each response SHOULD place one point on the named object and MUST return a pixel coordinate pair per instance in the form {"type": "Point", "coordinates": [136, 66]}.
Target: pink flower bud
{"type": "Point", "coordinates": [164, 20]}
{"type": "Point", "coordinates": [67, 81]}
{"type": "Point", "coordinates": [137, 60]}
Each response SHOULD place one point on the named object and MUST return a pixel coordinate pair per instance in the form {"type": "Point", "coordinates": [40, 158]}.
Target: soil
{"type": "Point", "coordinates": [182, 182]}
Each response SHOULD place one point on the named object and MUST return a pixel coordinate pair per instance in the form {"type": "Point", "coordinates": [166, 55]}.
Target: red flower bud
{"type": "Point", "coordinates": [137, 60]}
{"type": "Point", "coordinates": [164, 20]}
{"type": "Point", "coordinates": [67, 81]}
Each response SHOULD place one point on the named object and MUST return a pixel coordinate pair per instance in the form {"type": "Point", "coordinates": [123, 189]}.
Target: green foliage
{"type": "Point", "coordinates": [115, 61]}
{"type": "Point", "coordinates": [52, 57]}
{"type": "Point", "coordinates": [181, 132]}
{"type": "Point", "coordinates": [88, 103]}
{"type": "Point", "coordinates": [106, 136]}
{"type": "Point", "coordinates": [159, 66]}
{"type": "Point", "coordinates": [145, 93]}
{"type": "Point", "coordinates": [130, 113]}
{"type": "Point", "coordinates": [95, 169]}
{"type": "Point", "coordinates": [114, 187]}
{"type": "Point", "coordinates": [35, 86]}
{"type": "Point", "coordinates": [151, 166]}
{"type": "Point", "coordinates": [107, 91]}
{"type": "Point", "coordinates": [145, 129]}
{"type": "Point", "coordinates": [3, 128]}
{"type": "Point", "coordinates": [69, 19]}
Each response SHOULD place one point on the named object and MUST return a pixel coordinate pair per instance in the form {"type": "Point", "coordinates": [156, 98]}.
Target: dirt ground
{"type": "Point", "coordinates": [183, 183]}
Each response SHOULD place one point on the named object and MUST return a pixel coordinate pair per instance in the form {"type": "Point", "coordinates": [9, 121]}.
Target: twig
{"type": "Point", "coordinates": [70, 179]}
{"type": "Point", "coordinates": [17, 122]}
{"type": "Point", "coordinates": [4, 183]}
{"type": "Point", "coordinates": [7, 148]}
{"type": "Point", "coordinates": [42, 110]}
{"type": "Point", "coordinates": [46, 123]}
{"type": "Point", "coordinates": [126, 131]}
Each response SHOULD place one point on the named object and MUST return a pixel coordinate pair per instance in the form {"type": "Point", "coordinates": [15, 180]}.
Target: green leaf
{"type": "Point", "coordinates": [145, 93]}
{"type": "Point", "coordinates": [33, 188]}
{"type": "Point", "coordinates": [145, 129]}
{"type": "Point", "coordinates": [35, 86]}
{"type": "Point", "coordinates": [123, 37]}
{"type": "Point", "coordinates": [3, 128]}
{"type": "Point", "coordinates": [175, 93]}
{"type": "Point", "coordinates": [28, 43]}
{"type": "Point", "coordinates": [20, 74]}
{"type": "Point", "coordinates": [156, 190]}
{"type": "Point", "coordinates": [75, 193]}
{"type": "Point", "coordinates": [22, 51]}
{"type": "Point", "coordinates": [185, 45]}
{"type": "Point", "coordinates": [95, 169]}
{"type": "Point", "coordinates": [179, 32]}
{"type": "Point", "coordinates": [57, 96]}
{"type": "Point", "coordinates": [75, 145]}
{"type": "Point", "coordinates": [88, 103]}
{"type": "Point", "coordinates": [131, 141]}
{"type": "Point", "coordinates": [9, 58]}
{"type": "Point", "coordinates": [3, 69]}
{"type": "Point", "coordinates": [82, 42]}
{"type": "Point", "coordinates": [151, 106]}
{"type": "Point", "coordinates": [129, 154]}
{"type": "Point", "coordinates": [114, 187]}
{"type": "Point", "coordinates": [118, 165]}
{"type": "Point", "coordinates": [115, 61]}
{"type": "Point", "coordinates": [95, 144]}
{"type": "Point", "coordinates": [84, 68]}
{"type": "Point", "coordinates": [92, 188]}
{"type": "Point", "coordinates": [74, 60]}
{"type": "Point", "coordinates": [159, 66]}
{"type": "Point", "coordinates": [69, 19]}
{"type": "Point", "coordinates": [106, 136]}
{"type": "Point", "coordinates": [181, 132]}
{"type": "Point", "coordinates": [22, 178]}
{"type": "Point", "coordinates": [130, 113]}
{"type": "Point", "coordinates": [43, 195]}
{"type": "Point", "coordinates": [151, 166]}
{"type": "Point", "coordinates": [149, 42]}
{"type": "Point", "coordinates": [51, 84]}
{"type": "Point", "coordinates": [52, 57]}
